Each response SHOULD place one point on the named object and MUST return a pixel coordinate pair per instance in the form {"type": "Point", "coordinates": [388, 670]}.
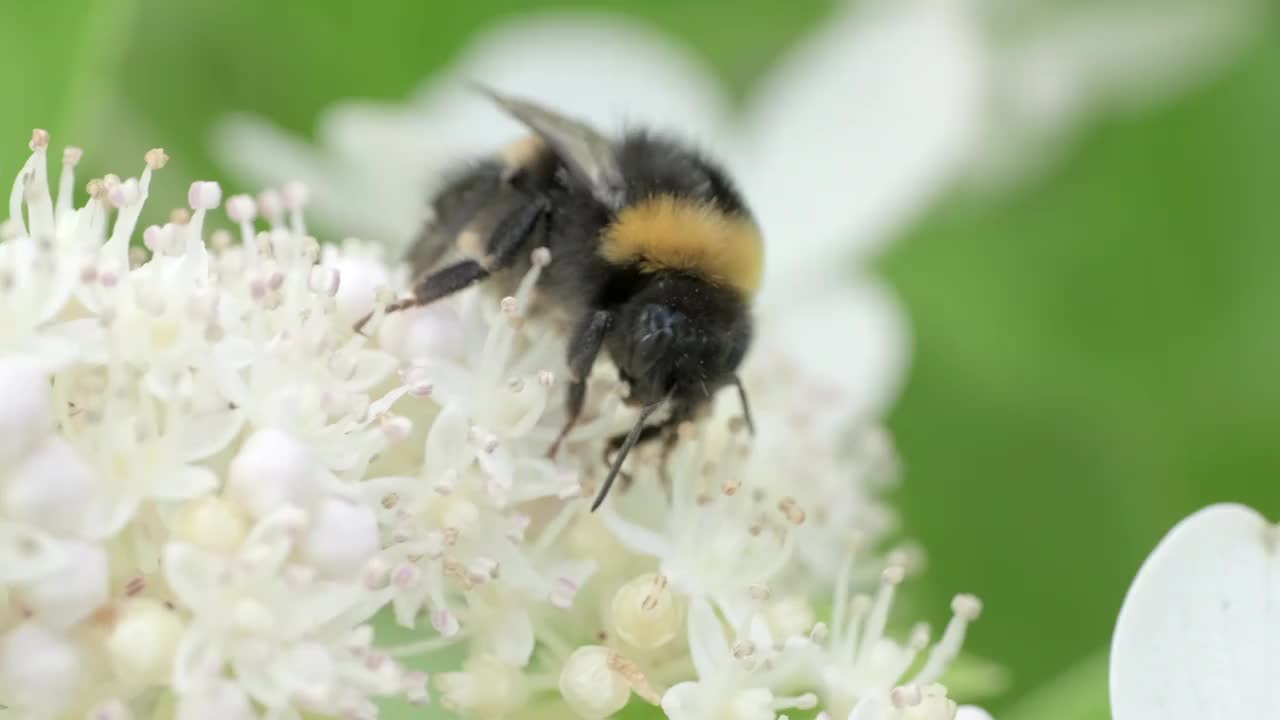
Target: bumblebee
{"type": "Point", "coordinates": [655, 258]}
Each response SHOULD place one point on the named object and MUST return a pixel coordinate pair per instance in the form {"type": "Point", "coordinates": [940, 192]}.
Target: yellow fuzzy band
{"type": "Point", "coordinates": [670, 233]}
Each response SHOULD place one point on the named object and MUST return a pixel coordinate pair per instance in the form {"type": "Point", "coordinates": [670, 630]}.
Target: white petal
{"type": "Point", "coordinates": [1199, 632]}
{"type": "Point", "coordinates": [861, 128]}
{"type": "Point", "coordinates": [708, 646]}
{"type": "Point", "coordinates": [681, 702]}
{"type": "Point", "coordinates": [65, 597]}
{"type": "Point", "coordinates": [1084, 59]}
{"type": "Point", "coordinates": [25, 416]}
{"type": "Point", "coordinates": [871, 707]}
{"type": "Point", "coordinates": [207, 434]}
{"type": "Point", "coordinates": [509, 638]}
{"type": "Point", "coordinates": [970, 712]}
{"type": "Point", "coordinates": [637, 538]}
{"type": "Point", "coordinates": [371, 368]}
{"type": "Point", "coordinates": [198, 660]}
{"type": "Point", "coordinates": [219, 700]}
{"type": "Point", "coordinates": [193, 574]}
{"type": "Point", "coordinates": [185, 482]}
{"type": "Point", "coordinates": [447, 447]}
{"type": "Point", "coordinates": [27, 553]}
{"type": "Point", "coordinates": [269, 543]}
{"type": "Point", "coordinates": [59, 345]}
{"type": "Point", "coordinates": [853, 340]}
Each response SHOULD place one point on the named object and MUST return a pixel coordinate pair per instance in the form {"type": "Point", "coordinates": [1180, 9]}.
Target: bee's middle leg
{"type": "Point", "coordinates": [509, 235]}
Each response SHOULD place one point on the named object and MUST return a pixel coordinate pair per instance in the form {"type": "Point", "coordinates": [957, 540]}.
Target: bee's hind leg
{"type": "Point", "coordinates": [508, 237]}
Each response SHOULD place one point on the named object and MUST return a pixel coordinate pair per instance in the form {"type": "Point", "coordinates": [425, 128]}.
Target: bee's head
{"type": "Point", "coordinates": [680, 338]}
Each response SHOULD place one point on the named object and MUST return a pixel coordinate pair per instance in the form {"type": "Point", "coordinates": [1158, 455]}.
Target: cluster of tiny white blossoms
{"type": "Point", "coordinates": [210, 485]}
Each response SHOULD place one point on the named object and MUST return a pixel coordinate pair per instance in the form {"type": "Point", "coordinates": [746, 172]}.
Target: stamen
{"type": "Point", "coordinates": [966, 609]}
{"type": "Point", "coordinates": [874, 629]}
{"type": "Point", "coordinates": [271, 207]}
{"type": "Point", "coordinates": [640, 684]}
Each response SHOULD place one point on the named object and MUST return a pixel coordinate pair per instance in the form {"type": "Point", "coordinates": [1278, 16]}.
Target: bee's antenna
{"type": "Point", "coordinates": [627, 444]}
{"type": "Point", "coordinates": [746, 406]}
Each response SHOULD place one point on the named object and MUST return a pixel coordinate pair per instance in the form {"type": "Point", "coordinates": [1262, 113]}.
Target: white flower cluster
{"type": "Point", "coordinates": [210, 484]}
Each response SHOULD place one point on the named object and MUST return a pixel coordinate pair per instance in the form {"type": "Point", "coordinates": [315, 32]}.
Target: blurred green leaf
{"type": "Point", "coordinates": [289, 61]}
{"type": "Point", "coordinates": [972, 679]}
{"type": "Point", "coordinates": [1080, 693]}
{"type": "Point", "coordinates": [1096, 357]}
{"type": "Point", "coordinates": [57, 59]}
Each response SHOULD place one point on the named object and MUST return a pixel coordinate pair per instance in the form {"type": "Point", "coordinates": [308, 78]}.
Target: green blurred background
{"type": "Point", "coordinates": [1096, 346]}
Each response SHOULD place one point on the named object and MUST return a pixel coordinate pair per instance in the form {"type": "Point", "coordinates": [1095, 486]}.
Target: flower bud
{"type": "Point", "coordinates": [38, 668]}
{"type": "Point", "coordinates": [273, 469]}
{"type": "Point", "coordinates": [590, 685]}
{"type": "Point", "coordinates": [213, 523]}
{"type": "Point", "coordinates": [431, 331]}
{"type": "Point", "coordinates": [143, 642]}
{"type": "Point", "coordinates": [24, 415]}
{"type": "Point", "coordinates": [645, 612]}
{"type": "Point", "coordinates": [341, 538]}
{"type": "Point", "coordinates": [50, 489]}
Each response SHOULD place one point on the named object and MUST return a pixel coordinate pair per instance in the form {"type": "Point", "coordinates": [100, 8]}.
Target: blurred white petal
{"type": "Point", "coordinates": [1199, 633]}
{"type": "Point", "coordinates": [854, 339]}
{"type": "Point", "coordinates": [708, 647]}
{"type": "Point", "coordinates": [969, 712]}
{"type": "Point", "coordinates": [860, 128]}
{"type": "Point", "coordinates": [1084, 59]}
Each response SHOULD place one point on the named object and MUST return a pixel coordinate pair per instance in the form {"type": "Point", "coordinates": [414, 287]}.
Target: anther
{"type": "Point", "coordinates": [295, 195]}
{"type": "Point", "coordinates": [204, 195]}
{"type": "Point", "coordinates": [893, 575]}
{"type": "Point", "coordinates": [156, 158]}
{"type": "Point", "coordinates": [39, 139]}
{"type": "Point", "coordinates": [791, 510]}
{"type": "Point", "coordinates": [966, 607]}
{"type": "Point", "coordinates": [241, 209]}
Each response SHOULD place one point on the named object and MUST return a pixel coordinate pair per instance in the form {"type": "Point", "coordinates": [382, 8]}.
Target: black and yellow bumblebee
{"type": "Point", "coordinates": [655, 257]}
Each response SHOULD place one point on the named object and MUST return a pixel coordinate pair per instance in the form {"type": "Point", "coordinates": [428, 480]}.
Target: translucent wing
{"type": "Point", "coordinates": [587, 153]}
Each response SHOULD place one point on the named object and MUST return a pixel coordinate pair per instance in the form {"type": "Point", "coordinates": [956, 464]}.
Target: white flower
{"type": "Point", "coordinates": [276, 624]}
{"type": "Point", "coordinates": [208, 518]}
{"type": "Point", "coordinates": [734, 683]}
{"type": "Point", "coordinates": [1197, 631]}
{"type": "Point", "coordinates": [41, 261]}
{"type": "Point", "coordinates": [720, 542]}
{"type": "Point", "coordinates": [864, 672]}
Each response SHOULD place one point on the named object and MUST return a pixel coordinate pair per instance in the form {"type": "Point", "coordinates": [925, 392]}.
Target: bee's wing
{"type": "Point", "coordinates": [586, 153]}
